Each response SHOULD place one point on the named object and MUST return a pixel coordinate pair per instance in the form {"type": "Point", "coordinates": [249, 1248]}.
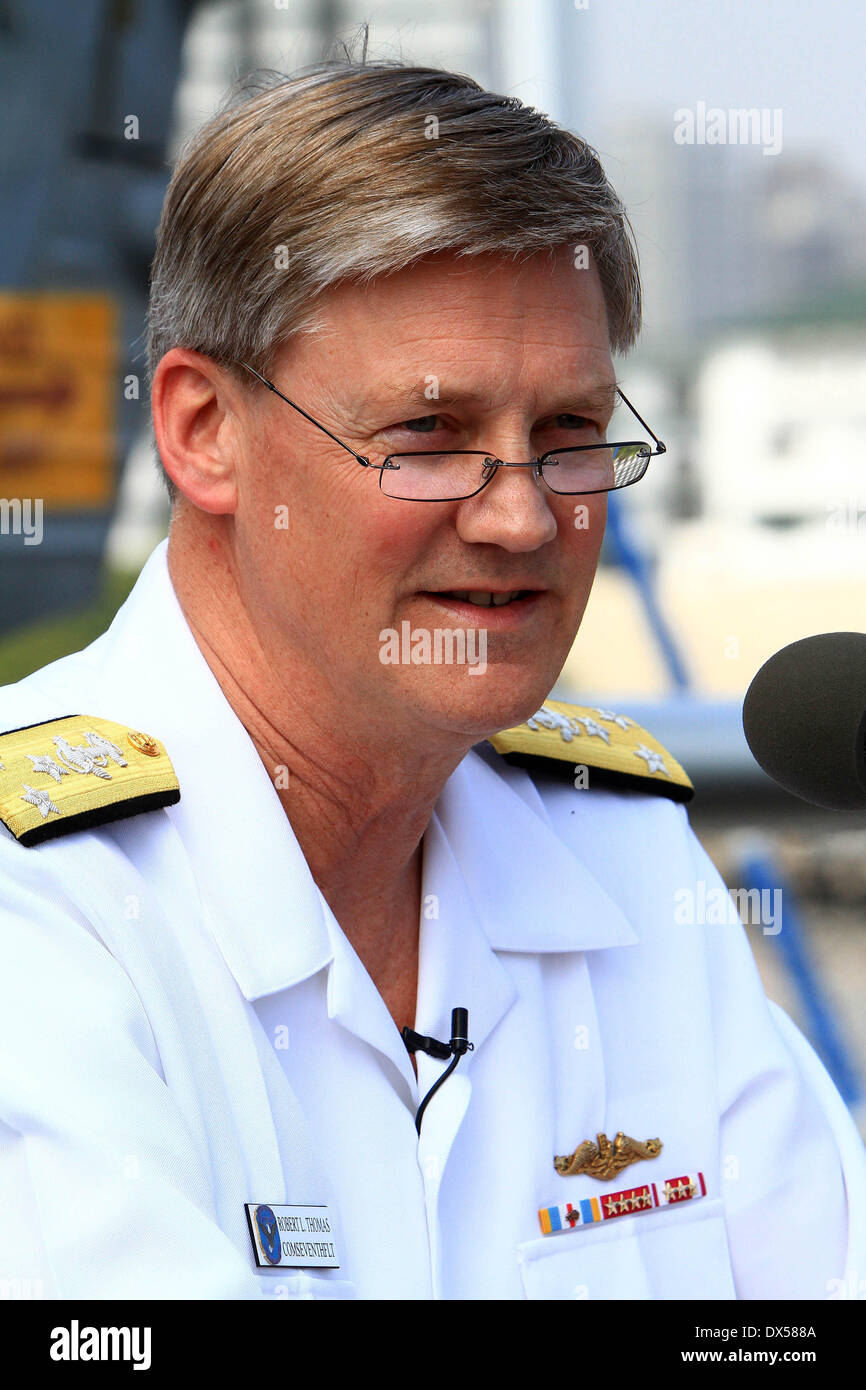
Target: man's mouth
{"type": "Point", "coordinates": [485, 598]}
{"type": "Point", "coordinates": [502, 610]}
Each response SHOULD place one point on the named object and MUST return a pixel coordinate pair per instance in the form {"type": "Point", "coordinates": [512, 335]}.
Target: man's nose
{"type": "Point", "coordinates": [512, 511]}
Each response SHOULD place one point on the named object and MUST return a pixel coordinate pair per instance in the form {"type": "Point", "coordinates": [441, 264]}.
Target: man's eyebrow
{"type": "Point", "coordinates": [596, 396]}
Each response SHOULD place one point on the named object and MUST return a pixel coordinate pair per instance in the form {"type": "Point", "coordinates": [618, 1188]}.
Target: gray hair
{"type": "Point", "coordinates": [348, 170]}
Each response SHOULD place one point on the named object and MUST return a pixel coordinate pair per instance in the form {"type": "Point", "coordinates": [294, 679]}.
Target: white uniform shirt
{"type": "Point", "coordinates": [184, 1029]}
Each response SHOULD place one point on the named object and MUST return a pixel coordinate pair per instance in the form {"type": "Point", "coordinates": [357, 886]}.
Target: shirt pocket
{"type": "Point", "coordinates": [677, 1252]}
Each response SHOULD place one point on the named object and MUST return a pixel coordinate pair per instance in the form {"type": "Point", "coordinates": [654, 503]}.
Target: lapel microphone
{"type": "Point", "coordinates": [459, 1044]}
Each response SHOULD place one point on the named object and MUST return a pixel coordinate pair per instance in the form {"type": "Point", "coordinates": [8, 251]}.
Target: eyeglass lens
{"type": "Point", "coordinates": [448, 477]}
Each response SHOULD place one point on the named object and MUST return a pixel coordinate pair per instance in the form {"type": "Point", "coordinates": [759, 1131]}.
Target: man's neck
{"type": "Point", "coordinates": [358, 802]}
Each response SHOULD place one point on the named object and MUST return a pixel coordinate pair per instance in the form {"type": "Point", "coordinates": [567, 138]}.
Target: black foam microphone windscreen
{"type": "Point", "coordinates": [804, 717]}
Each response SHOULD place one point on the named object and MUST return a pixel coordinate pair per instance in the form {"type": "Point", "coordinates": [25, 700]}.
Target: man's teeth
{"type": "Point", "coordinates": [484, 599]}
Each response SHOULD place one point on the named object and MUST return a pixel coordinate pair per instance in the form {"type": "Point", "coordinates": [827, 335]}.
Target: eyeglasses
{"type": "Point", "coordinates": [427, 476]}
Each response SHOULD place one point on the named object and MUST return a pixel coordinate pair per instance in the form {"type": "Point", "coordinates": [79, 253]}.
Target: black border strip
{"type": "Point", "coordinates": [601, 776]}
{"type": "Point", "coordinates": [99, 815]}
{"type": "Point", "coordinates": [54, 719]}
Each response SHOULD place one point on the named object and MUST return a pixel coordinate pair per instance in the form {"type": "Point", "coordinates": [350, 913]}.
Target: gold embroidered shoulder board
{"type": "Point", "coordinates": [72, 773]}
{"type": "Point", "coordinates": [612, 749]}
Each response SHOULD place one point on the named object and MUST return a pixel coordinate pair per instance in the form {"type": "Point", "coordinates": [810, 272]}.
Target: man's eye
{"type": "Point", "coordinates": [572, 422]}
{"type": "Point", "coordinates": [424, 424]}
{"type": "Point", "coordinates": [430, 424]}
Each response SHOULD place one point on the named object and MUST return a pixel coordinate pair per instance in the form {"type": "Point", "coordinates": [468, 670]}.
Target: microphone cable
{"type": "Point", "coordinates": [459, 1044]}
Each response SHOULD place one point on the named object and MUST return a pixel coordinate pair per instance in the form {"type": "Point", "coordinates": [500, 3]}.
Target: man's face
{"type": "Point", "coordinates": [448, 354]}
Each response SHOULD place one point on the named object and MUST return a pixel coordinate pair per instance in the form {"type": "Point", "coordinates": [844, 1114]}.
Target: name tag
{"type": "Point", "coordinates": [292, 1237]}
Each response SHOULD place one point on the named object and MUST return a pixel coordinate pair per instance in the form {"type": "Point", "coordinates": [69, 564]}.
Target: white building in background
{"type": "Point", "coordinates": [780, 426]}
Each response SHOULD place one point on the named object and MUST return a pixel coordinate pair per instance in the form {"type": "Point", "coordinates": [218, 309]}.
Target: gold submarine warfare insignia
{"type": "Point", "coordinates": [605, 1159]}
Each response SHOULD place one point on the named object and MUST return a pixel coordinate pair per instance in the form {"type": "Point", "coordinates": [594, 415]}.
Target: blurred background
{"type": "Point", "coordinates": [734, 134]}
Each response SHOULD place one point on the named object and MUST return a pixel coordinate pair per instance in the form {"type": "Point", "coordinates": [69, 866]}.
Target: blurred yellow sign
{"type": "Point", "coordinates": [58, 388]}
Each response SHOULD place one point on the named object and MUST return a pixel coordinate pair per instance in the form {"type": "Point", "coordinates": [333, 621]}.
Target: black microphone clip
{"type": "Point", "coordinates": [459, 1044]}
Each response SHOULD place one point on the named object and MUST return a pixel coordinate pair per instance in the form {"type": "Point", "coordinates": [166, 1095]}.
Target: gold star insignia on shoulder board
{"type": "Point", "coordinates": [616, 751]}
{"type": "Point", "coordinates": [72, 773]}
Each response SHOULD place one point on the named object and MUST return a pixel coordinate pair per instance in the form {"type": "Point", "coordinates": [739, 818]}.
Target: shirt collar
{"type": "Point", "coordinates": [529, 891]}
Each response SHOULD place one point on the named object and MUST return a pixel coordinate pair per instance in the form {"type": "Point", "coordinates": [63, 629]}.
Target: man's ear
{"type": "Point", "coordinates": [195, 424]}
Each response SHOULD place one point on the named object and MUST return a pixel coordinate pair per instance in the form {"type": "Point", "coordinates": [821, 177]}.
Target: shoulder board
{"type": "Point", "coordinates": [76, 772]}
{"type": "Point", "coordinates": [615, 750]}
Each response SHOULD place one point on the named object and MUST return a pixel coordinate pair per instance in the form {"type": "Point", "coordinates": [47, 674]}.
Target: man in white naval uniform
{"type": "Point", "coordinates": [202, 997]}
{"type": "Point", "coordinates": [185, 1029]}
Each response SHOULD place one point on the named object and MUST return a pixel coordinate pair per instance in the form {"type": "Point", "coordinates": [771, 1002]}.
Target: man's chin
{"type": "Point", "coordinates": [476, 703]}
